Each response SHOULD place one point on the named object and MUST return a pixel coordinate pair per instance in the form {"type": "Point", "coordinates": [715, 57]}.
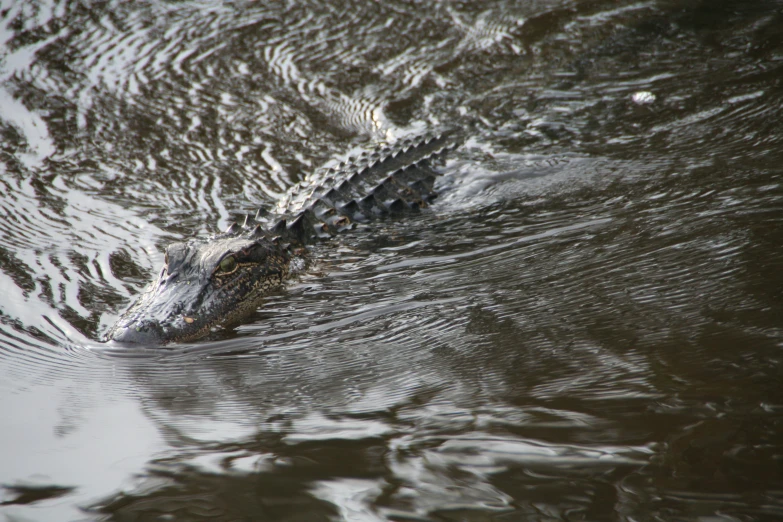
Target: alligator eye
{"type": "Point", "coordinates": [228, 264]}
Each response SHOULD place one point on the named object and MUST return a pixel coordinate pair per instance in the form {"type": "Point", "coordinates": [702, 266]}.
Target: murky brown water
{"type": "Point", "coordinates": [588, 325]}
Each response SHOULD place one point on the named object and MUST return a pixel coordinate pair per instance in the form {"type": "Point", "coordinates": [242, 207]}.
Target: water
{"type": "Point", "coordinates": [587, 325]}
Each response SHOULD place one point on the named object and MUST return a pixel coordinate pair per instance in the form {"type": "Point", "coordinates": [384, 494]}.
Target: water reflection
{"type": "Point", "coordinates": [586, 325]}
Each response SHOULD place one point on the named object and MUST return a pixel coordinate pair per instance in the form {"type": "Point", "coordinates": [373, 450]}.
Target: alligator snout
{"type": "Point", "coordinates": [145, 333]}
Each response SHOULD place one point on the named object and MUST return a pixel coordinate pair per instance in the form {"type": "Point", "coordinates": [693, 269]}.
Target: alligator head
{"type": "Point", "coordinates": [205, 283]}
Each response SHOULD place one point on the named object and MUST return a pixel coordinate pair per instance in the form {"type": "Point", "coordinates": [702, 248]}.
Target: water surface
{"type": "Point", "coordinates": [586, 325]}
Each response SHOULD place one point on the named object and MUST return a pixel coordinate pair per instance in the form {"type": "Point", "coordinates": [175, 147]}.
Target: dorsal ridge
{"type": "Point", "coordinates": [392, 179]}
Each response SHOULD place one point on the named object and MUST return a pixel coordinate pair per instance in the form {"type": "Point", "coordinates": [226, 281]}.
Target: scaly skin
{"type": "Point", "coordinates": [218, 280]}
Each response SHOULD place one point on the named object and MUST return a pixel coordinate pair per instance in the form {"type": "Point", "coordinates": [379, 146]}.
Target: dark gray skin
{"type": "Point", "coordinates": [212, 282]}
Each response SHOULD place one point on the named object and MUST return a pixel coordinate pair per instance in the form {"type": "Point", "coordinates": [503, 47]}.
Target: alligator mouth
{"type": "Point", "coordinates": [181, 329]}
{"type": "Point", "coordinates": [152, 333]}
{"type": "Point", "coordinates": [140, 325]}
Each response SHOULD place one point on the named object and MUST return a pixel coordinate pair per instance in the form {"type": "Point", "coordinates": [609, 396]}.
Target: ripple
{"type": "Point", "coordinates": [589, 308]}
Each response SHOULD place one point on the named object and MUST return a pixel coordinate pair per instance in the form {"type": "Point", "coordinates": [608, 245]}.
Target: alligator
{"type": "Point", "coordinates": [207, 283]}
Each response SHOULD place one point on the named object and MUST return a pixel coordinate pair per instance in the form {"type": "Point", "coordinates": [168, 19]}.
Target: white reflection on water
{"type": "Point", "coordinates": [87, 438]}
{"type": "Point", "coordinates": [39, 145]}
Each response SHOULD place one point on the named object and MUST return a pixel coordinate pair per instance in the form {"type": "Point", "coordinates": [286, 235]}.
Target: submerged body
{"type": "Point", "coordinates": [208, 282]}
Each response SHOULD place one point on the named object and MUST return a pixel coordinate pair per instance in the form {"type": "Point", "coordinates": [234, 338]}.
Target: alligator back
{"type": "Point", "coordinates": [389, 181]}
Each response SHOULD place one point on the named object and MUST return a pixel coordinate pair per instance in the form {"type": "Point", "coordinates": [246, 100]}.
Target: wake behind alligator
{"type": "Point", "coordinates": [210, 282]}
